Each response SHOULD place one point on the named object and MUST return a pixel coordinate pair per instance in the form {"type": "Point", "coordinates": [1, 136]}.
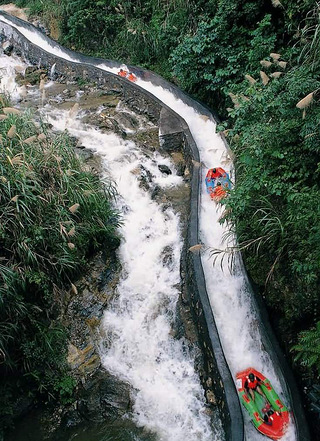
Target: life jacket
{"type": "Point", "coordinates": [252, 384]}
{"type": "Point", "coordinates": [218, 173]}
{"type": "Point", "coordinates": [122, 73]}
{"type": "Point", "coordinates": [266, 408]}
{"type": "Point", "coordinates": [132, 77]}
{"type": "Point", "coordinates": [218, 193]}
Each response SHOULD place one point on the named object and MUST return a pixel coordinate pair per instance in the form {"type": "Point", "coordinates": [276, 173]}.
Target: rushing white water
{"type": "Point", "coordinates": [230, 298]}
{"type": "Point", "coordinates": [168, 397]}
{"type": "Point", "coordinates": [140, 348]}
{"type": "Point", "coordinates": [9, 66]}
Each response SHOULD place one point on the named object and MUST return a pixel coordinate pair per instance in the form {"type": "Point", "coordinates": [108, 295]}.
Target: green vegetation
{"type": "Point", "coordinates": [277, 159]}
{"type": "Point", "coordinates": [308, 348]}
{"type": "Point", "coordinates": [273, 130]}
{"type": "Point", "coordinates": [54, 217]}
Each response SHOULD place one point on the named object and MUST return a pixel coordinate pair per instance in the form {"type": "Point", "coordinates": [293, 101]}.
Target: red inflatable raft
{"type": "Point", "coordinates": [272, 419]}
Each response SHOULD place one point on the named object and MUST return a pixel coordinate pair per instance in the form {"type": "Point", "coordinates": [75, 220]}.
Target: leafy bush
{"type": "Point", "coordinates": [50, 12]}
{"type": "Point", "coordinates": [213, 58]}
{"type": "Point", "coordinates": [308, 348]}
{"type": "Point", "coordinates": [277, 161]}
{"type": "Point", "coordinates": [136, 32]}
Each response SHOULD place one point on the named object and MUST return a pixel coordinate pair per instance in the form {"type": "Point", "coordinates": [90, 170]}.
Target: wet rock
{"type": "Point", "coordinates": [84, 360]}
{"type": "Point", "coordinates": [164, 169]}
{"type": "Point", "coordinates": [112, 91]}
{"type": "Point", "coordinates": [128, 121]}
{"type": "Point", "coordinates": [104, 397]}
{"type": "Point", "coordinates": [172, 142]}
{"type": "Point", "coordinates": [71, 418]}
{"type": "Point", "coordinates": [145, 178]}
{"type": "Point", "coordinates": [167, 257]}
{"type": "Point", "coordinates": [67, 93]}
{"type": "Point", "coordinates": [85, 153]}
{"type": "Point", "coordinates": [104, 277]}
{"type": "Point", "coordinates": [33, 75]}
{"type": "Point", "coordinates": [177, 197]}
{"type": "Point", "coordinates": [7, 48]}
{"type": "Point", "coordinates": [211, 397]}
{"type": "Point", "coordinates": [111, 124]}
{"type": "Point", "coordinates": [148, 138]}
{"type": "Point", "coordinates": [110, 101]}
{"type": "Point", "coordinates": [179, 163]}
{"type": "Point", "coordinates": [209, 382]}
{"type": "Point", "coordinates": [157, 193]}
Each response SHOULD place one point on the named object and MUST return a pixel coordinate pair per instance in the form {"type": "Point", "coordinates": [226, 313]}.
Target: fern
{"type": "Point", "coordinates": [308, 348]}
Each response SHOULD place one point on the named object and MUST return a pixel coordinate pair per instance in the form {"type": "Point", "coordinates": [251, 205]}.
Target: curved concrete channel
{"type": "Point", "coordinates": [207, 285]}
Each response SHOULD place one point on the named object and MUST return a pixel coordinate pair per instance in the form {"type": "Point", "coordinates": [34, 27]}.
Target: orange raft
{"type": "Point", "coordinates": [123, 73]}
{"type": "Point", "coordinates": [275, 423]}
{"type": "Point", "coordinates": [218, 183]}
{"type": "Point", "coordinates": [132, 77]}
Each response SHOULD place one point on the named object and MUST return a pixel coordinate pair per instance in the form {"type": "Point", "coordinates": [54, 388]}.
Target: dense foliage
{"type": "Point", "coordinates": [139, 32]}
{"type": "Point", "coordinates": [54, 216]}
{"type": "Point", "coordinates": [209, 44]}
{"type": "Point", "coordinates": [273, 130]}
{"type": "Point", "coordinates": [277, 156]}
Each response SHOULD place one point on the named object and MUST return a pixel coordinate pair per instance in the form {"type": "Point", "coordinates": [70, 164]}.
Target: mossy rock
{"type": "Point", "coordinates": [33, 75]}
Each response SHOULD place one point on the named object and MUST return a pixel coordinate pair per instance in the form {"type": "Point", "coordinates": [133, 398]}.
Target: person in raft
{"type": "Point", "coordinates": [267, 414]}
{"type": "Point", "coordinates": [214, 173]}
{"type": "Point", "coordinates": [252, 385]}
{"type": "Point", "coordinates": [215, 188]}
{"type": "Point", "coordinates": [122, 73]}
{"type": "Point", "coordinates": [132, 77]}
{"type": "Point", "coordinates": [218, 192]}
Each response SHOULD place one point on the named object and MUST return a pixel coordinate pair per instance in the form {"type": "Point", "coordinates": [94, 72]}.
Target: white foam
{"type": "Point", "coordinates": [8, 84]}
{"type": "Point", "coordinates": [168, 397]}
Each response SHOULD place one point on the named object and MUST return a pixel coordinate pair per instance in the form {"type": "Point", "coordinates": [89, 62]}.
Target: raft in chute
{"type": "Point", "coordinates": [218, 183]}
{"type": "Point", "coordinates": [272, 419]}
{"type": "Point", "coordinates": [124, 73]}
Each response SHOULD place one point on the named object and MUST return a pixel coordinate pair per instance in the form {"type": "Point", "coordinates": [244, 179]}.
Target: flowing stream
{"type": "Point", "coordinates": [140, 347]}
{"type": "Point", "coordinates": [168, 398]}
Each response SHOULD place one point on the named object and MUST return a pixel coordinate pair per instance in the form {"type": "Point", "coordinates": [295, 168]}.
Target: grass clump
{"type": "Point", "coordinates": [54, 217]}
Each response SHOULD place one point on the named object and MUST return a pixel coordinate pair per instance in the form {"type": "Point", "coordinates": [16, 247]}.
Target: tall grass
{"type": "Point", "coordinates": [310, 38]}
